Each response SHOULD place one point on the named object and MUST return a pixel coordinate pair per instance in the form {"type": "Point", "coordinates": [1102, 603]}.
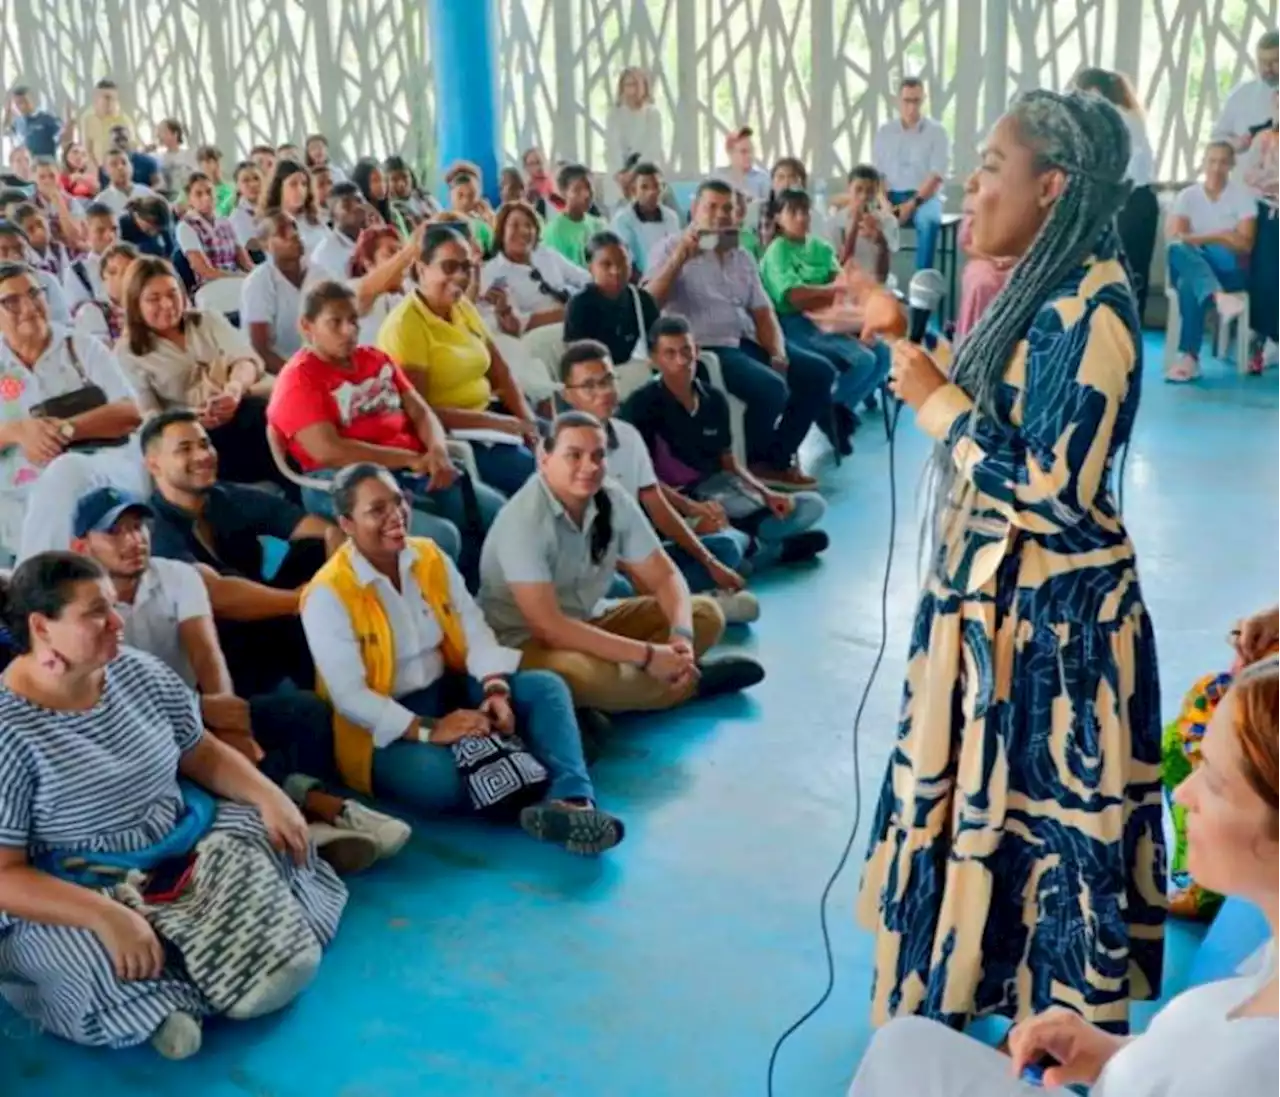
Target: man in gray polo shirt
{"type": "Point", "coordinates": [548, 562]}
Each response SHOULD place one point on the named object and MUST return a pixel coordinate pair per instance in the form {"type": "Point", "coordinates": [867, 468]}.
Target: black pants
{"type": "Point", "coordinates": [295, 730]}
{"type": "Point", "coordinates": [1137, 223]}
{"type": "Point", "coordinates": [263, 654]}
{"type": "Point", "coordinates": [1264, 295]}
{"type": "Point", "coordinates": [243, 454]}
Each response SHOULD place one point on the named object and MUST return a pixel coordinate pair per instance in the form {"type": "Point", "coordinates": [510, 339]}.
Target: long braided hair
{"type": "Point", "coordinates": [1085, 137]}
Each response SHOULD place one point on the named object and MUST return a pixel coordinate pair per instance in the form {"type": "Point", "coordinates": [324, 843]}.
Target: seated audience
{"type": "Point", "coordinates": [707, 559]}
{"type": "Point", "coordinates": [540, 184]}
{"type": "Point", "coordinates": [613, 312]}
{"type": "Point", "coordinates": [77, 956]}
{"type": "Point", "coordinates": [15, 248]}
{"type": "Point", "coordinates": [685, 425]}
{"type": "Point", "coordinates": [742, 173]}
{"type": "Point", "coordinates": [410, 202]}
{"type": "Point", "coordinates": [789, 173]}
{"type": "Point", "coordinates": [264, 158]}
{"type": "Point", "coordinates": [337, 244]}
{"type": "Point", "coordinates": [719, 290]}
{"type": "Point", "coordinates": [219, 527]}
{"type": "Point", "coordinates": [912, 152]}
{"type": "Point", "coordinates": [377, 272]}
{"type": "Point", "coordinates": [144, 168]}
{"type": "Point", "coordinates": [1221, 1037]}
{"type": "Point", "coordinates": [290, 151]}
{"type": "Point", "coordinates": [271, 297]}
{"type": "Point", "coordinates": [120, 187]}
{"type": "Point", "coordinates": [244, 215]}
{"type": "Point", "coordinates": [422, 689]}
{"type": "Point", "coordinates": [209, 161]}
{"type": "Point", "coordinates": [569, 231]}
{"type": "Point", "coordinates": [38, 131]}
{"type": "Point", "coordinates": [83, 278]}
{"type": "Point", "coordinates": [316, 155]}
{"type": "Point", "coordinates": [367, 176]}
{"type": "Point", "coordinates": [467, 199]}
{"type": "Point", "coordinates": [64, 223]}
{"type": "Point", "coordinates": [116, 261]}
{"type": "Point", "coordinates": [59, 392]}
{"type": "Point", "coordinates": [20, 162]}
{"type": "Point", "coordinates": [510, 186]}
{"type": "Point", "coordinates": [177, 164]}
{"type": "Point", "coordinates": [644, 222]}
{"type": "Point", "coordinates": [147, 224]}
{"type": "Point", "coordinates": [439, 339]}
{"type": "Point", "coordinates": [338, 403]}
{"type": "Point", "coordinates": [867, 235]}
{"type": "Point", "coordinates": [801, 276]}
{"type": "Point", "coordinates": [322, 182]}
{"type": "Point", "coordinates": [549, 561]}
{"type": "Point", "coordinates": [981, 281]}
{"type": "Point", "coordinates": [1210, 232]}
{"type": "Point", "coordinates": [78, 177]}
{"type": "Point", "coordinates": [208, 241]}
{"type": "Point", "coordinates": [166, 612]}
{"type": "Point", "coordinates": [179, 357]}
{"type": "Point", "coordinates": [289, 190]}
{"type": "Point", "coordinates": [528, 286]}
{"type": "Point", "coordinates": [43, 252]}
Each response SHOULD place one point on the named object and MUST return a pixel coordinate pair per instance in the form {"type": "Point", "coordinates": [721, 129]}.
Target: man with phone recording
{"type": "Point", "coordinates": [705, 276]}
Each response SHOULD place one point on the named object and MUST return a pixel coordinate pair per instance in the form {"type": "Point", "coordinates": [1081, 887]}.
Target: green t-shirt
{"type": "Point", "coordinates": [787, 265]}
{"type": "Point", "coordinates": [224, 199]}
{"type": "Point", "coordinates": [749, 241]}
{"type": "Point", "coordinates": [570, 237]}
{"type": "Point", "coordinates": [482, 234]}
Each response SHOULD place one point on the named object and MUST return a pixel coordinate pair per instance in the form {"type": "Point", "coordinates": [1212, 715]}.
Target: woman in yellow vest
{"type": "Point", "coordinates": [412, 669]}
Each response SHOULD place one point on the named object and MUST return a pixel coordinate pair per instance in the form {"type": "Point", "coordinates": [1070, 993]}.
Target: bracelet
{"type": "Point", "coordinates": [648, 657]}
{"type": "Point", "coordinates": [497, 686]}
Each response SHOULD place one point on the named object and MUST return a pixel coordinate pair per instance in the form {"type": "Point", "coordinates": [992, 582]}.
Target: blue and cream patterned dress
{"type": "Point", "coordinates": [106, 779]}
{"type": "Point", "coordinates": [1017, 859]}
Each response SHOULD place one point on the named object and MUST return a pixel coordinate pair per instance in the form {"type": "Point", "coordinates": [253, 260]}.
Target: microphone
{"type": "Point", "coordinates": [924, 293]}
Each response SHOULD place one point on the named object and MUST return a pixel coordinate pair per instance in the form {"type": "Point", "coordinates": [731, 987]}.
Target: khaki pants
{"type": "Point", "coordinates": [618, 687]}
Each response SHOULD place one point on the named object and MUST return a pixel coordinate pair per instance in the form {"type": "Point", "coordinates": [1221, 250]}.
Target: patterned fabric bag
{"type": "Point", "coordinates": [235, 924]}
{"type": "Point", "coordinates": [500, 774]}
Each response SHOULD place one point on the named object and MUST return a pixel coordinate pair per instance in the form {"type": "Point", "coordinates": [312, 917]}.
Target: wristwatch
{"type": "Point", "coordinates": [683, 633]}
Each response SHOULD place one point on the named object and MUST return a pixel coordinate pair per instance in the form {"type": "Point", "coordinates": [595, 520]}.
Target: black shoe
{"type": "Point", "coordinates": [839, 429]}
{"type": "Point", "coordinates": [585, 830]}
{"type": "Point", "coordinates": [870, 403]}
{"type": "Point", "coordinates": [728, 674]}
{"type": "Point", "coordinates": [800, 547]}
{"type": "Point", "coordinates": [595, 727]}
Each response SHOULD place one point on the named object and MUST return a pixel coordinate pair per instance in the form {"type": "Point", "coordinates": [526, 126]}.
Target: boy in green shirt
{"type": "Point", "coordinates": [799, 275]}
{"type": "Point", "coordinates": [568, 234]}
{"type": "Point", "coordinates": [209, 158]}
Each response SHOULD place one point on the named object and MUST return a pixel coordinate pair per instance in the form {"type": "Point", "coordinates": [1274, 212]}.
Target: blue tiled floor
{"type": "Point", "coordinates": [481, 964]}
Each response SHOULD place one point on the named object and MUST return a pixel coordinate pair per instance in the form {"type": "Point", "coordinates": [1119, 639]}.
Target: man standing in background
{"type": "Point", "coordinates": [912, 153]}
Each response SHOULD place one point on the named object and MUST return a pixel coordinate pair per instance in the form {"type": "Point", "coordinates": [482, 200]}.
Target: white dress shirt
{"type": "Point", "coordinates": [629, 462]}
{"type": "Point", "coordinates": [244, 221]}
{"type": "Point", "coordinates": [525, 295]}
{"type": "Point", "coordinates": [416, 636]}
{"type": "Point", "coordinates": [1248, 105]}
{"type": "Point", "coordinates": [268, 297]}
{"type": "Point", "coordinates": [116, 199]}
{"type": "Point", "coordinates": [332, 252]}
{"type": "Point", "coordinates": [1142, 157]}
{"type": "Point", "coordinates": [59, 311]}
{"type": "Point", "coordinates": [315, 234]}
{"type": "Point", "coordinates": [907, 157]}
{"type": "Point", "coordinates": [75, 291]}
{"type": "Point", "coordinates": [169, 593]}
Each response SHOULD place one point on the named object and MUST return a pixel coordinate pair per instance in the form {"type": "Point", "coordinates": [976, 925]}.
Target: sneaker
{"type": "Point", "coordinates": [178, 1037]}
{"type": "Point", "coordinates": [728, 674]}
{"type": "Point", "coordinates": [789, 479]}
{"type": "Point", "coordinates": [389, 834]}
{"type": "Point", "coordinates": [800, 547]}
{"type": "Point", "coordinates": [740, 607]}
{"type": "Point", "coordinates": [348, 851]}
{"type": "Point", "coordinates": [582, 829]}
{"type": "Point", "coordinates": [276, 990]}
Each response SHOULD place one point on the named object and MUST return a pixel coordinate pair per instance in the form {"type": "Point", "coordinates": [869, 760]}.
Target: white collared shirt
{"type": "Point", "coordinates": [416, 636]}
{"type": "Point", "coordinates": [75, 291]}
{"type": "Point", "coordinates": [907, 157]}
{"type": "Point", "coordinates": [629, 462]}
{"type": "Point", "coordinates": [1248, 105]}
{"type": "Point", "coordinates": [116, 199]}
{"type": "Point", "coordinates": [169, 593]}
{"type": "Point", "coordinates": [244, 222]}
{"type": "Point", "coordinates": [268, 297]}
{"type": "Point", "coordinates": [1142, 157]}
{"type": "Point", "coordinates": [53, 374]}
{"type": "Point", "coordinates": [331, 253]}
{"type": "Point", "coordinates": [524, 293]}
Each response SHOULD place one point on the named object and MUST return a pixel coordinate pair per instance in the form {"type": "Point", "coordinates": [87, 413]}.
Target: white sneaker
{"type": "Point", "coordinates": [740, 607]}
{"type": "Point", "coordinates": [178, 1037]}
{"type": "Point", "coordinates": [348, 851]}
{"type": "Point", "coordinates": [389, 834]}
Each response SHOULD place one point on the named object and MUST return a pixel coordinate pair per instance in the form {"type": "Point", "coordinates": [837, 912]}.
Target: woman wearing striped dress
{"type": "Point", "coordinates": [93, 739]}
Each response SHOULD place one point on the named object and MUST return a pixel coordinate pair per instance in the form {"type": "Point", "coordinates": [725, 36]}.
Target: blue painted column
{"type": "Point", "coordinates": [464, 56]}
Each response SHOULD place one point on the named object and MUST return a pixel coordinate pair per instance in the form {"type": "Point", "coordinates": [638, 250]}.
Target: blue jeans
{"type": "Point", "coordinates": [927, 221]}
{"type": "Point", "coordinates": [1197, 272]}
{"type": "Point", "coordinates": [729, 546]}
{"type": "Point", "coordinates": [424, 776]}
{"type": "Point", "coordinates": [859, 369]}
{"type": "Point", "coordinates": [504, 468]}
{"type": "Point", "coordinates": [439, 515]}
{"type": "Point", "coordinates": [809, 510]}
{"type": "Point", "coordinates": [780, 407]}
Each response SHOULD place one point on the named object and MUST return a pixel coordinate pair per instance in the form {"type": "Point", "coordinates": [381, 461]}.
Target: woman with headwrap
{"type": "Point", "coordinates": [1017, 859]}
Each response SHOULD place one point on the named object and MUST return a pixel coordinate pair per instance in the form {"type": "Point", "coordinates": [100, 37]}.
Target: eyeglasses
{"type": "Point", "coordinates": [597, 384]}
{"type": "Point", "coordinates": [450, 267]}
{"type": "Point", "coordinates": [12, 303]}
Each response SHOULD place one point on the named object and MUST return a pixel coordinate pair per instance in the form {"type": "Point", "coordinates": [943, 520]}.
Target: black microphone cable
{"type": "Point", "coordinates": [892, 410]}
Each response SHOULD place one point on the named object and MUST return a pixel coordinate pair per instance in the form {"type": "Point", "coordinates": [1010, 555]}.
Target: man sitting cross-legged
{"type": "Point", "coordinates": [685, 424]}
{"type": "Point", "coordinates": [548, 562]}
{"type": "Point", "coordinates": [166, 613]}
{"type": "Point", "coordinates": [218, 527]}
{"type": "Point", "coordinates": [705, 548]}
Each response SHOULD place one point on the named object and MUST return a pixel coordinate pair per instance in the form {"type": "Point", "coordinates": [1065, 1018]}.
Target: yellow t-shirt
{"type": "Point", "coordinates": [95, 132]}
{"type": "Point", "coordinates": [447, 360]}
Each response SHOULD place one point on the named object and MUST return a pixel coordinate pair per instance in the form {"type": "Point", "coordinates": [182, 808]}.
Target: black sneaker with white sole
{"type": "Point", "coordinates": [800, 547]}
{"type": "Point", "coordinates": [584, 830]}
{"type": "Point", "coordinates": [728, 674]}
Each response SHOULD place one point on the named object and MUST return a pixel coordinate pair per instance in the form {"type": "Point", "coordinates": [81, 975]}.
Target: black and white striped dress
{"type": "Point", "coordinates": [107, 780]}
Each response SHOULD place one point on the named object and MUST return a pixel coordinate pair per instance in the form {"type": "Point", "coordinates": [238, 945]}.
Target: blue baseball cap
{"type": "Point", "coordinates": [102, 508]}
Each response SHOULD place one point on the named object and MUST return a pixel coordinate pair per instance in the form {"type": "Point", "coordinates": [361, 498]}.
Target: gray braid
{"type": "Point", "coordinates": [1085, 136]}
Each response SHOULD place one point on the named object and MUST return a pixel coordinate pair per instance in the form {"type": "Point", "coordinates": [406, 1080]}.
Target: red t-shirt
{"type": "Point", "coordinates": [363, 401]}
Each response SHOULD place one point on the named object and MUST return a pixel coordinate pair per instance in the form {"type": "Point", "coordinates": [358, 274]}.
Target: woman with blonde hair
{"type": "Point", "coordinates": [633, 133]}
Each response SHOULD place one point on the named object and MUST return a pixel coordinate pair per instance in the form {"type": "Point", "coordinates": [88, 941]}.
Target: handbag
{"type": "Point", "coordinates": [68, 405]}
{"type": "Point", "coordinates": [742, 506]}
{"type": "Point", "coordinates": [500, 774]}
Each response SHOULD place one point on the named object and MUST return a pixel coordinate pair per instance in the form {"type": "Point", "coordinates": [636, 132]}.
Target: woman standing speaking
{"type": "Point", "coordinates": [1017, 859]}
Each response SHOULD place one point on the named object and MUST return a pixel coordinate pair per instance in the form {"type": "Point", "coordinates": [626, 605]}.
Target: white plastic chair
{"type": "Point", "coordinates": [220, 295]}
{"type": "Point", "coordinates": [458, 450]}
{"type": "Point", "coordinates": [737, 408]}
{"type": "Point", "coordinates": [1173, 327]}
